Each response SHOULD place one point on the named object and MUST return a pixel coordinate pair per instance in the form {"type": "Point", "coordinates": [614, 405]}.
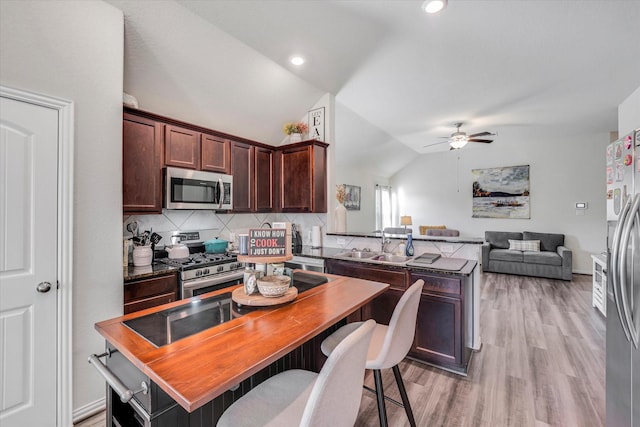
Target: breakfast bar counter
{"type": "Point", "coordinates": [195, 369]}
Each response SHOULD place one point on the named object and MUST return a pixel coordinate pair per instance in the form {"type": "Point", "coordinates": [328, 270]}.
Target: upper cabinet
{"type": "Point", "coordinates": [181, 147]}
{"type": "Point", "coordinates": [243, 176]}
{"type": "Point", "coordinates": [303, 177]}
{"type": "Point", "coordinates": [141, 165]}
{"type": "Point", "coordinates": [214, 154]}
{"type": "Point", "coordinates": [290, 178]}
{"type": "Point", "coordinates": [264, 178]}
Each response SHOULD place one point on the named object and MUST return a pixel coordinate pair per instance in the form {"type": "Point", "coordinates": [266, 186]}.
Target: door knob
{"type": "Point", "coordinates": [43, 287]}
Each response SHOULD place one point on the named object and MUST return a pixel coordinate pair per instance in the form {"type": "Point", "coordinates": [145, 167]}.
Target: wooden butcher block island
{"type": "Point", "coordinates": [192, 375]}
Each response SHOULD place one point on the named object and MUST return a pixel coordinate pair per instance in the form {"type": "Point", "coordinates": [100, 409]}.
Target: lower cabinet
{"type": "Point", "coordinates": [381, 308]}
{"type": "Point", "coordinates": [147, 293]}
{"type": "Point", "coordinates": [440, 327]}
{"type": "Point", "coordinates": [440, 337]}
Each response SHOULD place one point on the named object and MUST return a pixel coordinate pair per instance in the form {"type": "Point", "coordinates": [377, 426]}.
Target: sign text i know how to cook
{"type": "Point", "coordinates": [267, 242]}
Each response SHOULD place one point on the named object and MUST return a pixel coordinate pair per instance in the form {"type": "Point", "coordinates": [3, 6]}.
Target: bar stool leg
{"type": "Point", "coordinates": [403, 395]}
{"type": "Point", "coordinates": [382, 409]}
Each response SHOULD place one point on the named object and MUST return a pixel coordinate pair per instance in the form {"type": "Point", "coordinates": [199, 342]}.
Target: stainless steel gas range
{"type": "Point", "coordinates": [202, 272]}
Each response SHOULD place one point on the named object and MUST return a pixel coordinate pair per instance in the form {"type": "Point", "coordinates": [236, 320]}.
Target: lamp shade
{"type": "Point", "coordinates": [405, 220]}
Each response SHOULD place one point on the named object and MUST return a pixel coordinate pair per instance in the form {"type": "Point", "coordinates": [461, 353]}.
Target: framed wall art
{"type": "Point", "coordinates": [316, 124]}
{"type": "Point", "coordinates": [501, 192]}
{"type": "Point", "coordinates": [352, 199]}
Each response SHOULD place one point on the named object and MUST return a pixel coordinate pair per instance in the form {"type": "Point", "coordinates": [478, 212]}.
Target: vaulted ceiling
{"type": "Point", "coordinates": [491, 64]}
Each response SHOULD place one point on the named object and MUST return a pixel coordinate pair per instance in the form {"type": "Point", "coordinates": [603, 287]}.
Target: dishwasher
{"type": "Point", "coordinates": [306, 263]}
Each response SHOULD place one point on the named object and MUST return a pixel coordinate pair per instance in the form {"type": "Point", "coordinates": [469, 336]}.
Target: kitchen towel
{"type": "Point", "coordinates": [316, 237]}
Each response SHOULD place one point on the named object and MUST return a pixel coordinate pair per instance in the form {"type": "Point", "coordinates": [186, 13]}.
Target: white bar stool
{"type": "Point", "coordinates": [389, 346]}
{"type": "Point", "coordinates": [303, 398]}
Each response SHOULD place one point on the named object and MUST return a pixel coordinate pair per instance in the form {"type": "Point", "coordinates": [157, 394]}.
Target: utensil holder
{"type": "Point", "coordinates": [142, 256]}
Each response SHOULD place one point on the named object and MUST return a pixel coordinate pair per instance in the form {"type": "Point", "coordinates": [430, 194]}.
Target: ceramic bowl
{"type": "Point", "coordinates": [273, 286]}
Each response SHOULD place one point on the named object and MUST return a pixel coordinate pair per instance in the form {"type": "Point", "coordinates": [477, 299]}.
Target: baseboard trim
{"type": "Point", "coordinates": [89, 410]}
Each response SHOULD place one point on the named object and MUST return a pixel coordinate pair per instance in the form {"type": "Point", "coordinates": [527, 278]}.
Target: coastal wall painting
{"type": "Point", "coordinates": [501, 192]}
{"type": "Point", "coordinates": [352, 199]}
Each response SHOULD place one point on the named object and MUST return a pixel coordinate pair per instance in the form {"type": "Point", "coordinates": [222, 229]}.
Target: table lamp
{"type": "Point", "coordinates": [405, 220]}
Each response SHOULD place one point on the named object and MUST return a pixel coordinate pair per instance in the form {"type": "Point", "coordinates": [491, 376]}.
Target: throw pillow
{"type": "Point", "coordinates": [524, 245]}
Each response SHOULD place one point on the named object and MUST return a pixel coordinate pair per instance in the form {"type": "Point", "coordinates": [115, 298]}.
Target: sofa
{"type": "Point", "coordinates": [527, 254]}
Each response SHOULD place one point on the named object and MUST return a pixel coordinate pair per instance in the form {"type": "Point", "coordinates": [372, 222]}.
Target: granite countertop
{"type": "Point", "coordinates": [324, 253]}
{"type": "Point", "coordinates": [420, 237]}
{"type": "Point", "coordinates": [156, 269]}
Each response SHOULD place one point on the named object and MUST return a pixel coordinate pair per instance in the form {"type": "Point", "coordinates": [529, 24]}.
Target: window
{"type": "Point", "coordinates": [384, 206]}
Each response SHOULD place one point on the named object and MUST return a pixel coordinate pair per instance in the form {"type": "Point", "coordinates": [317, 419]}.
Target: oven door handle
{"type": "Point", "coordinates": [114, 382]}
{"type": "Point", "coordinates": [212, 280]}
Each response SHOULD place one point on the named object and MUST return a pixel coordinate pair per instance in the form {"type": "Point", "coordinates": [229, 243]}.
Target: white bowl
{"type": "Point", "coordinates": [273, 286]}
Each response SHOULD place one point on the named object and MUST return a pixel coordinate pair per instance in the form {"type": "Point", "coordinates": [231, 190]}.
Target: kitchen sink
{"type": "Point", "coordinates": [391, 258]}
{"type": "Point", "coordinates": [357, 254]}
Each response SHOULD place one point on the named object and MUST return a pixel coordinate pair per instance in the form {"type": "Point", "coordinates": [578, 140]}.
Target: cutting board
{"type": "Point", "coordinates": [257, 300]}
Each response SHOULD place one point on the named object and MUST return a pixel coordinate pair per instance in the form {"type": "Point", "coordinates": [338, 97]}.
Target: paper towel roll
{"type": "Point", "coordinates": [316, 237]}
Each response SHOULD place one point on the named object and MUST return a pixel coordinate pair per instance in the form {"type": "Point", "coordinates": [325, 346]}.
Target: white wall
{"type": "Point", "coordinates": [565, 167]}
{"type": "Point", "coordinates": [629, 113]}
{"type": "Point", "coordinates": [364, 156]}
{"type": "Point", "coordinates": [74, 50]}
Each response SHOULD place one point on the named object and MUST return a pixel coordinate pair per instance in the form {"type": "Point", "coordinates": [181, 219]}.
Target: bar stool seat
{"type": "Point", "coordinates": [303, 398]}
{"type": "Point", "coordinates": [389, 345]}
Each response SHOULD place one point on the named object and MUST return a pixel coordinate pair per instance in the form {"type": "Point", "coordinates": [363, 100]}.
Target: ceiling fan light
{"type": "Point", "coordinates": [458, 142]}
{"type": "Point", "coordinates": [434, 6]}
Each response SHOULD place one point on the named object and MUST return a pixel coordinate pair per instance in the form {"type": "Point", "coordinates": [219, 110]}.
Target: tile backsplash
{"type": "Point", "coordinates": [218, 224]}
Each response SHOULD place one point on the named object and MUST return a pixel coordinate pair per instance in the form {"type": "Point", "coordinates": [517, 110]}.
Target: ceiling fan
{"type": "Point", "coordinates": [459, 139]}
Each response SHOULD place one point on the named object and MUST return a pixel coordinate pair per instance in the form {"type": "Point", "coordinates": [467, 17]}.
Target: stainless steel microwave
{"type": "Point", "coordinates": [189, 189]}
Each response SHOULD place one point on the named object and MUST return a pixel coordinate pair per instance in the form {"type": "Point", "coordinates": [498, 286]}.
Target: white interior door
{"type": "Point", "coordinates": [28, 263]}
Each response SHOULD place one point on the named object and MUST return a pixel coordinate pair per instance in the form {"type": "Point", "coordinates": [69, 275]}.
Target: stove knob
{"type": "Point", "coordinates": [206, 271]}
{"type": "Point", "coordinates": [220, 269]}
{"type": "Point", "coordinates": [198, 273]}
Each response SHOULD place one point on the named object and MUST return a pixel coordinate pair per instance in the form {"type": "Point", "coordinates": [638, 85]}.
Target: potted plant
{"type": "Point", "coordinates": [295, 130]}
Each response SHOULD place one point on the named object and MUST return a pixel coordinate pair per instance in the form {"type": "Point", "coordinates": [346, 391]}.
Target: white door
{"type": "Point", "coordinates": [28, 263]}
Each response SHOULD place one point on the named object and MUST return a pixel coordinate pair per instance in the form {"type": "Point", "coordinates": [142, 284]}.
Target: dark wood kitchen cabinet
{"type": "Point", "coordinates": [381, 308]}
{"type": "Point", "coordinates": [142, 142]}
{"type": "Point", "coordinates": [264, 179]}
{"type": "Point", "coordinates": [150, 292]}
{"type": "Point", "coordinates": [303, 177]}
{"type": "Point", "coordinates": [441, 328]}
{"type": "Point", "coordinates": [242, 169]}
{"type": "Point", "coordinates": [181, 147]}
{"type": "Point", "coordinates": [214, 154]}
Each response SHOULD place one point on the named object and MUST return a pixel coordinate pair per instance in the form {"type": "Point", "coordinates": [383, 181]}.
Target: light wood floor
{"type": "Point", "coordinates": [542, 363]}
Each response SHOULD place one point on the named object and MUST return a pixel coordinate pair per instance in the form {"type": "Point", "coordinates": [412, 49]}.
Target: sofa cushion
{"type": "Point", "coordinates": [500, 239]}
{"type": "Point", "coordinates": [545, 257]}
{"type": "Point", "coordinates": [505, 255]}
{"type": "Point", "coordinates": [524, 245]}
{"type": "Point", "coordinates": [548, 241]}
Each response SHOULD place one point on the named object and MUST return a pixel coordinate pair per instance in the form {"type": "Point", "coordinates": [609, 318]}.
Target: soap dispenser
{"type": "Point", "coordinates": [409, 250]}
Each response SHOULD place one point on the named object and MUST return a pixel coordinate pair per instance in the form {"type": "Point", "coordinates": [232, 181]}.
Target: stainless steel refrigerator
{"type": "Point", "coordinates": [623, 280]}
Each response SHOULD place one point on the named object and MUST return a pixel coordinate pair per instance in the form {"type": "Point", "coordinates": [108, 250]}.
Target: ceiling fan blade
{"type": "Point", "coordinates": [435, 143]}
{"type": "Point", "coordinates": [481, 134]}
{"type": "Point", "coordinates": [480, 140]}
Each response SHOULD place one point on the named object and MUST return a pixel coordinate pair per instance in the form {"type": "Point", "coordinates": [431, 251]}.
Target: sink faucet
{"type": "Point", "coordinates": [383, 243]}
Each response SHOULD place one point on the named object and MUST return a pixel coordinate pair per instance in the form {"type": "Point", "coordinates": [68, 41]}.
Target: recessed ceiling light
{"type": "Point", "coordinates": [297, 60]}
{"type": "Point", "coordinates": [434, 6]}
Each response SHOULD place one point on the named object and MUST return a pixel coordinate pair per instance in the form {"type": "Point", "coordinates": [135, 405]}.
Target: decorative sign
{"type": "Point", "coordinates": [316, 124]}
{"type": "Point", "coordinates": [268, 242]}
